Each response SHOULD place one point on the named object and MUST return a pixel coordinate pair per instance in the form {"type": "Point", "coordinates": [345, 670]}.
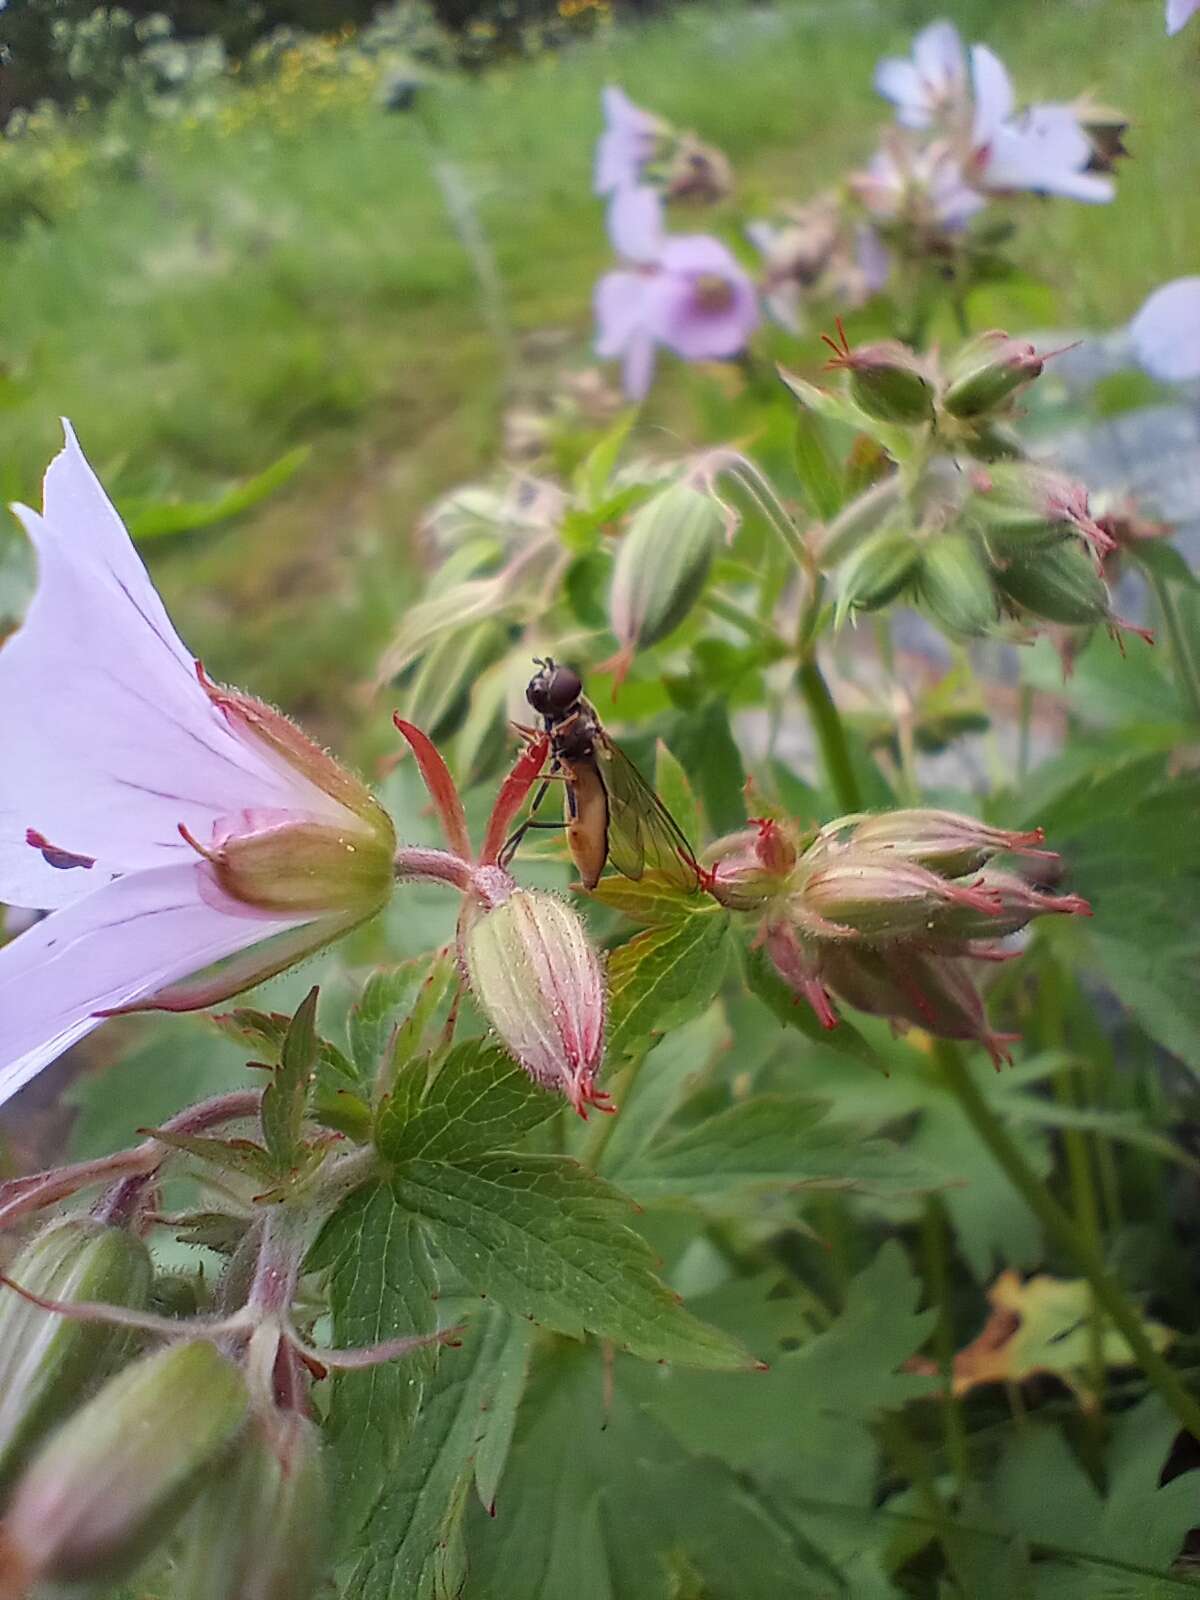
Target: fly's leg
{"type": "Point", "coordinates": [512, 843]}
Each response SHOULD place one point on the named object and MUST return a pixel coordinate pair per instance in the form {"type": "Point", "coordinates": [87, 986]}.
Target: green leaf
{"type": "Point", "coordinates": [821, 474]}
{"type": "Point", "coordinates": [703, 743]}
{"type": "Point", "coordinates": [263, 1032]}
{"type": "Point", "coordinates": [376, 1015]}
{"type": "Point", "coordinates": [286, 1096]}
{"type": "Point", "coordinates": [479, 1101]}
{"type": "Point", "coordinates": [500, 1421]}
{"type": "Point", "coordinates": [381, 1286]}
{"type": "Point", "coordinates": [548, 1240]}
{"type": "Point", "coordinates": [664, 977]}
{"type": "Point", "coordinates": [411, 1547]}
{"type": "Point", "coordinates": [149, 519]}
{"type": "Point", "coordinates": [793, 1011]}
{"type": "Point", "coordinates": [774, 1141]}
{"type": "Point", "coordinates": [239, 1156]}
{"type": "Point", "coordinates": [633, 1513]}
{"type": "Point", "coordinates": [650, 901]}
{"type": "Point", "coordinates": [676, 793]}
{"type": "Point", "coordinates": [594, 473]}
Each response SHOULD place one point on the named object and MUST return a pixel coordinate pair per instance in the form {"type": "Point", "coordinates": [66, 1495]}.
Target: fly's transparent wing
{"type": "Point", "coordinates": [643, 836]}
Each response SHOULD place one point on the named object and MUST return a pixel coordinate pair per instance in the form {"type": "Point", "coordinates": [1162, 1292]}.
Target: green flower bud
{"type": "Point", "coordinates": [943, 841]}
{"type": "Point", "coordinates": [663, 564]}
{"type": "Point", "coordinates": [865, 893]}
{"type": "Point", "coordinates": [261, 1532]}
{"type": "Point", "coordinates": [1060, 584]}
{"type": "Point", "coordinates": [877, 572]}
{"type": "Point", "coordinates": [956, 586]}
{"type": "Point", "coordinates": [889, 382]}
{"type": "Point", "coordinates": [113, 1480]}
{"type": "Point", "coordinates": [1020, 508]}
{"type": "Point", "coordinates": [48, 1363]}
{"type": "Point", "coordinates": [987, 372]}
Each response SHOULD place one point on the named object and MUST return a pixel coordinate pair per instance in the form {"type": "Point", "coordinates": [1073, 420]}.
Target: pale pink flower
{"type": "Point", "coordinates": [629, 142]}
{"type": "Point", "coordinates": [1166, 331]}
{"type": "Point", "coordinates": [1180, 12]}
{"type": "Point", "coordinates": [929, 88]}
{"type": "Point", "coordinates": [1045, 149]}
{"type": "Point", "coordinates": [168, 825]}
{"type": "Point", "coordinates": [686, 292]}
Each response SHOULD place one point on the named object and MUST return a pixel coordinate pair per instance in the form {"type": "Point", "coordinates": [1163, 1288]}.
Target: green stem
{"type": "Point", "coordinates": [937, 1271]}
{"type": "Point", "coordinates": [1066, 1235]}
{"type": "Point", "coordinates": [1185, 665]}
{"type": "Point", "coordinates": [753, 627]}
{"type": "Point", "coordinates": [831, 734]}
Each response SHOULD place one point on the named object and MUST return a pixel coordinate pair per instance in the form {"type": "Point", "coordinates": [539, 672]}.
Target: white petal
{"type": "Point", "coordinates": [107, 737]}
{"type": "Point", "coordinates": [1166, 332]}
{"type": "Point", "coordinates": [113, 948]}
{"type": "Point", "coordinates": [635, 224]}
{"type": "Point", "coordinates": [994, 98]}
{"type": "Point", "coordinates": [1180, 12]}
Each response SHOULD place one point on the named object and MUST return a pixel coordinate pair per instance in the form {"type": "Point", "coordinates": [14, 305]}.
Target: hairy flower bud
{"type": "Point", "coordinates": [945, 842]}
{"type": "Point", "coordinates": [910, 985]}
{"type": "Point", "coordinates": [336, 858]}
{"type": "Point", "coordinates": [1020, 509]}
{"type": "Point", "coordinates": [956, 586]}
{"type": "Point", "coordinates": [540, 984]}
{"type": "Point", "coordinates": [662, 564]}
{"type": "Point", "coordinates": [260, 1532]}
{"type": "Point", "coordinates": [880, 569]}
{"type": "Point", "coordinates": [1059, 584]}
{"type": "Point", "coordinates": [859, 892]}
{"type": "Point", "coordinates": [987, 372]}
{"type": "Point", "coordinates": [49, 1362]}
{"type": "Point", "coordinates": [117, 1475]}
{"type": "Point", "coordinates": [750, 868]}
{"type": "Point", "coordinates": [888, 381]}
{"type": "Point", "coordinates": [1016, 904]}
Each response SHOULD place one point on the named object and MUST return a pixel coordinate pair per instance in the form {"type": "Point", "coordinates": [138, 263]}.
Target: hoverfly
{"type": "Point", "coordinates": [611, 812]}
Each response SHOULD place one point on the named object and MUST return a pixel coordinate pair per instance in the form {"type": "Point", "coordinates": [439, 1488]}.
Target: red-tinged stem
{"type": "Point", "coordinates": [441, 788]}
{"type": "Point", "coordinates": [20, 1196]}
{"type": "Point", "coordinates": [431, 865]}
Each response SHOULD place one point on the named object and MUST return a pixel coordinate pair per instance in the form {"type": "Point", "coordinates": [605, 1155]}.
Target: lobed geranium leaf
{"type": "Point", "coordinates": [373, 1018]}
{"type": "Point", "coordinates": [774, 1141]}
{"type": "Point", "coordinates": [675, 790]}
{"type": "Point", "coordinates": [664, 977]}
{"type": "Point", "coordinates": [411, 1547]}
{"type": "Point", "coordinates": [479, 1101]}
{"type": "Point", "coordinates": [550, 1241]}
{"type": "Point", "coordinates": [286, 1096]}
{"type": "Point", "coordinates": [381, 1286]}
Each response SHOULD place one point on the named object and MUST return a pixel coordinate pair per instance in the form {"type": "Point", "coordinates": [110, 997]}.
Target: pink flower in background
{"type": "Point", "coordinates": [1045, 149]}
{"type": "Point", "coordinates": [629, 141]}
{"type": "Point", "coordinates": [1180, 12]}
{"type": "Point", "coordinates": [1166, 332]}
{"type": "Point", "coordinates": [167, 824]}
{"type": "Point", "coordinates": [924, 187]}
{"type": "Point", "coordinates": [931, 86]}
{"type": "Point", "coordinates": [686, 292]}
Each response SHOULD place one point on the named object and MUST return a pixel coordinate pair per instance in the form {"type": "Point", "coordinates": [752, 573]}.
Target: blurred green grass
{"type": "Point", "coordinates": [288, 273]}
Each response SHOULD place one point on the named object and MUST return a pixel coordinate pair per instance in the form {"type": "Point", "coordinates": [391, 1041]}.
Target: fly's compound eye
{"type": "Point", "coordinates": [563, 689]}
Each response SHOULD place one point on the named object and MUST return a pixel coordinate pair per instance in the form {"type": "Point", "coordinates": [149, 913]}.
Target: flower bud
{"type": "Point", "coordinates": [880, 569]}
{"type": "Point", "coordinates": [49, 1362]}
{"type": "Point", "coordinates": [1020, 509]}
{"type": "Point", "coordinates": [1016, 903]}
{"type": "Point", "coordinates": [956, 586]}
{"type": "Point", "coordinates": [987, 372]}
{"type": "Point", "coordinates": [260, 1532]}
{"type": "Point", "coordinates": [799, 964]}
{"type": "Point", "coordinates": [1060, 584]}
{"type": "Point", "coordinates": [334, 856]}
{"type": "Point", "coordinates": [942, 841]}
{"type": "Point", "coordinates": [751, 867]}
{"type": "Point", "coordinates": [913, 986]}
{"type": "Point", "coordinates": [541, 986]}
{"type": "Point", "coordinates": [860, 894]}
{"type": "Point", "coordinates": [663, 564]}
{"type": "Point", "coordinates": [110, 1484]}
{"type": "Point", "coordinates": [888, 381]}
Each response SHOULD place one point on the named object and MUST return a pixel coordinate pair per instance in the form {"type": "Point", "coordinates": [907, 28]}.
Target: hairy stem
{"type": "Point", "coordinates": [1067, 1236]}
{"type": "Point", "coordinates": [831, 734]}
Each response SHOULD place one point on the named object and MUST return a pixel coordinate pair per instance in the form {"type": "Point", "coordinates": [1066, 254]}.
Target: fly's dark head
{"type": "Point", "coordinates": [554, 689]}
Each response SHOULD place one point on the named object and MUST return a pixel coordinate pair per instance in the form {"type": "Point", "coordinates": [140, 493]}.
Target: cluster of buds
{"type": "Point", "coordinates": [979, 538]}
{"type": "Point", "coordinates": [889, 912]}
{"type": "Point", "coordinates": [818, 252]}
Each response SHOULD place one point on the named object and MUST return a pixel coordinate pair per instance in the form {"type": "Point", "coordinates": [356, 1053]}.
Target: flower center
{"type": "Point", "coordinates": [712, 294]}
